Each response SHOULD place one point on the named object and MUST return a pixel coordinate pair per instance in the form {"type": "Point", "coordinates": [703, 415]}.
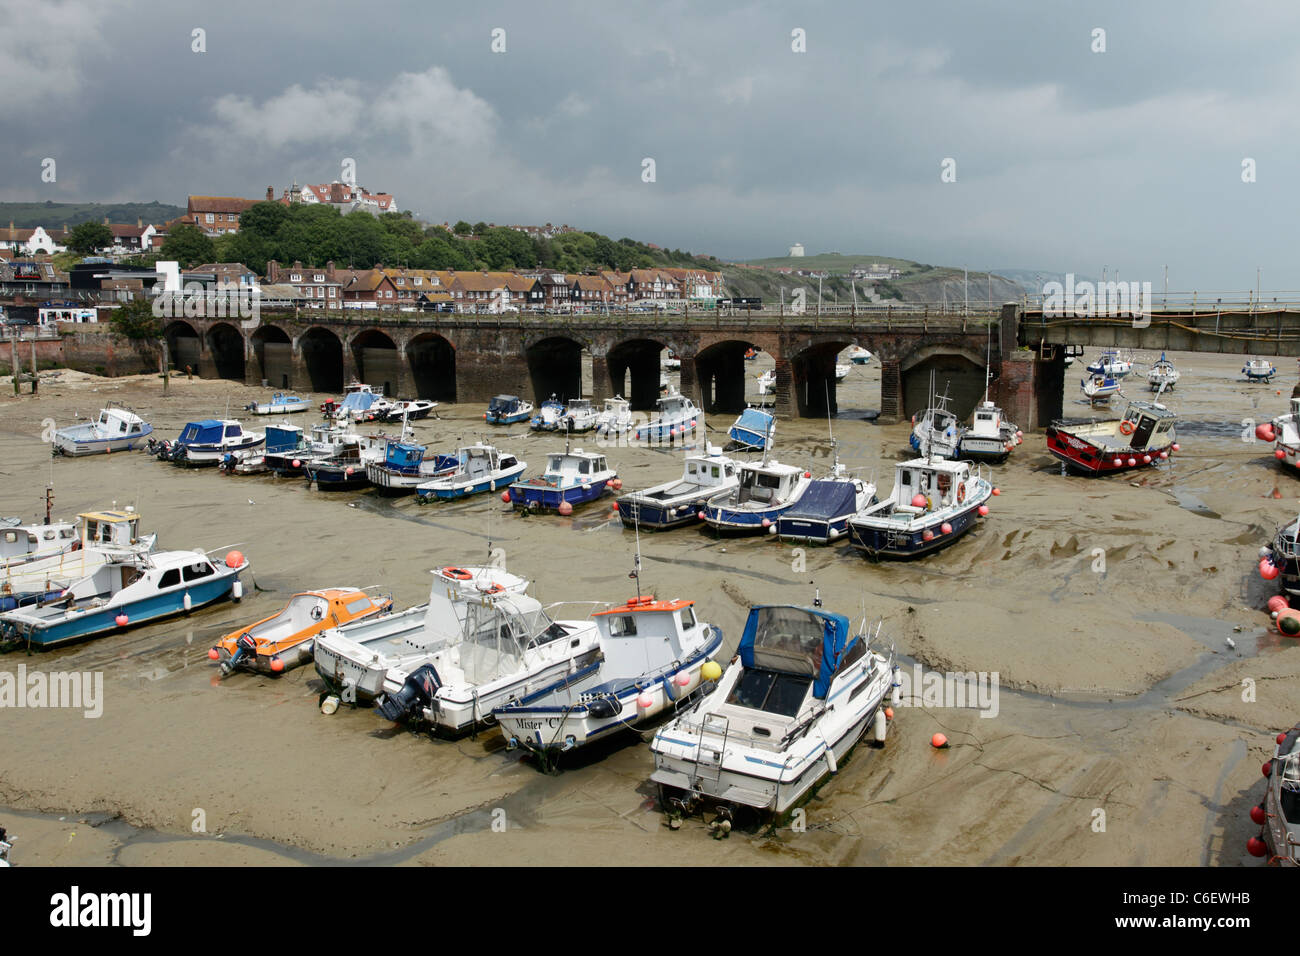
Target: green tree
{"type": "Point", "coordinates": [89, 237]}
{"type": "Point", "coordinates": [264, 219]}
{"type": "Point", "coordinates": [462, 228]}
{"type": "Point", "coordinates": [187, 245]}
{"type": "Point", "coordinates": [135, 320]}
{"type": "Point", "coordinates": [480, 228]}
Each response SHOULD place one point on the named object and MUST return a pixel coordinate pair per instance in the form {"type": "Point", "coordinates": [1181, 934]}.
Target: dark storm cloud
{"type": "Point", "coordinates": [1066, 158]}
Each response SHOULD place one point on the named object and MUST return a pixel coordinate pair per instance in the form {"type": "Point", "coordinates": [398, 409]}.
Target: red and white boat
{"type": "Point", "coordinates": [1144, 436]}
{"type": "Point", "coordinates": [1284, 433]}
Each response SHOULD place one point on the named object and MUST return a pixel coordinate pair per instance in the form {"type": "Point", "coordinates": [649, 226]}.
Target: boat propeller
{"type": "Point", "coordinates": [244, 647]}
{"type": "Point", "coordinates": [416, 694]}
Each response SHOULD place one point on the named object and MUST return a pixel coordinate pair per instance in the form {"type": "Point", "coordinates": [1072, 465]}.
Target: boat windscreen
{"type": "Point", "coordinates": [795, 640]}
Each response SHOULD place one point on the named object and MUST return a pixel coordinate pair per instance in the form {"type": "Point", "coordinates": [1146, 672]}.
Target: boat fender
{"type": "Point", "coordinates": [604, 706]}
{"type": "Point", "coordinates": [882, 725]}
{"type": "Point", "coordinates": [237, 591]}
{"type": "Point", "coordinates": [187, 601]}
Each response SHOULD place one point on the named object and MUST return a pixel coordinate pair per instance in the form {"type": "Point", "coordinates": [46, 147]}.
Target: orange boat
{"type": "Point", "coordinates": [277, 643]}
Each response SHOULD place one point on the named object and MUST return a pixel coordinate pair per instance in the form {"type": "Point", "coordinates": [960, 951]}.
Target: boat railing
{"type": "Point", "coordinates": [693, 722]}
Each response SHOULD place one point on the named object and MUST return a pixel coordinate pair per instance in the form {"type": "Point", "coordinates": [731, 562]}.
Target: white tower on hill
{"type": "Point", "coordinates": [796, 249]}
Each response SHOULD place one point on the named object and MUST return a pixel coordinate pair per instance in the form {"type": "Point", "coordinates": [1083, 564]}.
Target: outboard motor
{"type": "Point", "coordinates": [416, 694]}
{"type": "Point", "coordinates": [245, 647]}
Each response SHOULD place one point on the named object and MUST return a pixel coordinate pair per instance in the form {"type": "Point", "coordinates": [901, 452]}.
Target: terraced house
{"type": "Point", "coordinates": [216, 215]}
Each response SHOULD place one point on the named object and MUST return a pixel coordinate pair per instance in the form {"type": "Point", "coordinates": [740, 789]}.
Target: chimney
{"type": "Point", "coordinates": [106, 220]}
{"type": "Point", "coordinates": [139, 223]}
{"type": "Point", "coordinates": [329, 270]}
{"type": "Point", "coordinates": [270, 193]}
{"type": "Point", "coordinates": [272, 271]}
{"type": "Point", "coordinates": [65, 228]}
{"type": "Point", "coordinates": [297, 265]}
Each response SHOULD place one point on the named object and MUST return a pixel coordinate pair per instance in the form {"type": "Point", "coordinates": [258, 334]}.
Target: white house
{"type": "Point", "coordinates": [29, 241]}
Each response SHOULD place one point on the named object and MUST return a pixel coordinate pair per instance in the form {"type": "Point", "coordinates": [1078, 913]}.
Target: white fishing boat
{"type": "Point", "coordinates": [1099, 388]}
{"type": "Point", "coordinates": [548, 416]}
{"type": "Point", "coordinates": [936, 432]}
{"type": "Point", "coordinates": [479, 468]}
{"type": "Point", "coordinates": [1259, 370]}
{"type": "Point", "coordinates": [1163, 375]}
{"type": "Point", "coordinates": [858, 355]}
{"type": "Point", "coordinates": [932, 504]}
{"type": "Point", "coordinates": [281, 403]}
{"type": "Point", "coordinates": [579, 416]}
{"type": "Point", "coordinates": [653, 653]}
{"type": "Point", "coordinates": [1112, 363]}
{"type": "Point", "coordinates": [406, 465]}
{"type": "Point", "coordinates": [117, 429]}
{"type": "Point", "coordinates": [676, 418]}
{"type": "Point", "coordinates": [207, 442]}
{"type": "Point", "coordinates": [765, 491]}
{"type": "Point", "coordinates": [615, 418]}
{"type": "Point", "coordinates": [990, 437]}
{"type": "Point", "coordinates": [678, 502]}
{"type": "Point", "coordinates": [410, 411]}
{"type": "Point", "coordinates": [801, 692]}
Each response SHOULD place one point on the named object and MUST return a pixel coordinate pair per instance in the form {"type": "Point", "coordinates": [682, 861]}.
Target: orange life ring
{"type": "Point", "coordinates": [1126, 427]}
{"type": "Point", "coordinates": [961, 494]}
{"type": "Point", "coordinates": [460, 574]}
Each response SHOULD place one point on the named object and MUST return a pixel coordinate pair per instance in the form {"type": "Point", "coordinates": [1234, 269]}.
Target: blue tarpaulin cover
{"type": "Point", "coordinates": [826, 498]}
{"type": "Point", "coordinates": [799, 640]}
{"type": "Point", "coordinates": [282, 438]}
{"type": "Point", "coordinates": [206, 432]}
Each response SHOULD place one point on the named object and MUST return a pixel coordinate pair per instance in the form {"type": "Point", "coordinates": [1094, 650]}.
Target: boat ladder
{"type": "Point", "coordinates": [714, 729]}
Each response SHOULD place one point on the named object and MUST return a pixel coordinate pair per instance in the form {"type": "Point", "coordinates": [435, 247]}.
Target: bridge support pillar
{"type": "Point", "coordinates": [786, 402]}
{"type": "Point", "coordinates": [207, 365]}
{"type": "Point", "coordinates": [299, 376]}
{"type": "Point", "coordinates": [690, 382]}
{"type": "Point", "coordinates": [600, 384]}
{"type": "Point", "coordinates": [1029, 389]}
{"type": "Point", "coordinates": [891, 392]}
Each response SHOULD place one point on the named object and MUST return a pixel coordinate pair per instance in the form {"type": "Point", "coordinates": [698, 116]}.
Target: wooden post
{"type": "Point", "coordinates": [13, 359]}
{"type": "Point", "coordinates": [35, 371]}
{"type": "Point", "coordinates": [166, 365]}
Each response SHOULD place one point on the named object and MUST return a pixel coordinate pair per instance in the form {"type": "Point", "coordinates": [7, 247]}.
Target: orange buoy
{"type": "Point", "coordinates": [566, 509]}
{"type": "Point", "coordinates": [938, 741]}
{"type": "Point", "coordinates": [214, 654]}
{"type": "Point", "coordinates": [505, 496]}
{"type": "Point", "coordinates": [996, 492]}
{"type": "Point", "coordinates": [234, 559]}
{"type": "Point", "coordinates": [889, 713]}
{"type": "Point", "coordinates": [277, 665]}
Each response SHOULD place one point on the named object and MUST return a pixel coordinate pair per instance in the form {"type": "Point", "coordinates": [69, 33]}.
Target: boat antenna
{"type": "Point", "coordinates": [767, 443]}
{"type": "Point", "coordinates": [49, 498]}
{"type": "Point", "coordinates": [636, 562]}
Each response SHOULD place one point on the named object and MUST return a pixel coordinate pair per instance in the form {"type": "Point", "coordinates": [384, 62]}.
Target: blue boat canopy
{"type": "Point", "coordinates": [826, 498]}
{"type": "Point", "coordinates": [796, 640]}
{"type": "Point", "coordinates": [503, 402]}
{"type": "Point", "coordinates": [358, 401]}
{"type": "Point", "coordinates": [403, 454]}
{"type": "Point", "coordinates": [282, 437]}
{"type": "Point", "coordinates": [207, 432]}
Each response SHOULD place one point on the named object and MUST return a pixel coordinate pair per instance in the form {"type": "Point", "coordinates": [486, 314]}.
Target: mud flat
{"type": "Point", "coordinates": [1104, 605]}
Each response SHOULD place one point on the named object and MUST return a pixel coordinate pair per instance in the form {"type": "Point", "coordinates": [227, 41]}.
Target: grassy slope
{"type": "Point", "coordinates": [53, 215]}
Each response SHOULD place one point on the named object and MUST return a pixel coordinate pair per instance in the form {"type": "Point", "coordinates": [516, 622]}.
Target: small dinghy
{"type": "Point", "coordinates": [281, 403]}
{"type": "Point", "coordinates": [549, 416]}
{"type": "Point", "coordinates": [117, 429]}
{"type": "Point", "coordinates": [1259, 370]}
{"type": "Point", "coordinates": [675, 503]}
{"type": "Point", "coordinates": [507, 410]}
{"type": "Point", "coordinates": [859, 356]}
{"type": "Point", "coordinates": [801, 692]}
{"type": "Point", "coordinates": [932, 504]}
{"type": "Point", "coordinates": [990, 437]}
{"type": "Point", "coordinates": [207, 442]}
{"type": "Point", "coordinates": [652, 656]}
{"type": "Point", "coordinates": [479, 468]}
{"type": "Point", "coordinates": [615, 419]}
{"type": "Point", "coordinates": [822, 514]}
{"type": "Point", "coordinates": [409, 411]}
{"type": "Point", "coordinates": [571, 478]}
{"type": "Point", "coordinates": [284, 640]}
{"type": "Point", "coordinates": [406, 465]}
{"type": "Point", "coordinates": [753, 430]}
{"type": "Point", "coordinates": [1163, 375]}
{"type": "Point", "coordinates": [1279, 815]}
{"type": "Point", "coordinates": [842, 372]}
{"type": "Point", "coordinates": [1099, 388]}
{"type": "Point", "coordinates": [936, 432]}
{"type": "Point", "coordinates": [580, 416]}
{"type": "Point", "coordinates": [676, 419]}
{"type": "Point", "coordinates": [765, 491]}
{"type": "Point", "coordinates": [128, 590]}
{"type": "Point", "coordinates": [1111, 364]}
{"type": "Point", "coordinates": [1144, 436]}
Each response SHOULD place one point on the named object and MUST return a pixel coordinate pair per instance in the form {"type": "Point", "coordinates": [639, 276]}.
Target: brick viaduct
{"type": "Point", "coordinates": [470, 358]}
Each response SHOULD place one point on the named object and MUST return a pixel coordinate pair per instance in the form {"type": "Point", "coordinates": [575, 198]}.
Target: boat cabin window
{"type": "Point", "coordinates": [135, 428]}
{"type": "Point", "coordinates": [769, 691]}
{"type": "Point", "coordinates": [201, 569]}
{"type": "Point", "coordinates": [357, 605]}
{"type": "Point", "coordinates": [623, 625]}
{"type": "Point", "coordinates": [11, 537]}
{"type": "Point", "coordinates": [984, 416]}
{"type": "Point", "coordinates": [67, 533]}
{"type": "Point", "coordinates": [852, 656]}
{"type": "Point", "coordinates": [232, 431]}
{"type": "Point", "coordinates": [170, 578]}
{"type": "Point", "coordinates": [600, 464]}
{"type": "Point", "coordinates": [692, 468]}
{"type": "Point", "coordinates": [584, 466]}
{"type": "Point", "coordinates": [688, 618]}
{"type": "Point", "coordinates": [555, 463]}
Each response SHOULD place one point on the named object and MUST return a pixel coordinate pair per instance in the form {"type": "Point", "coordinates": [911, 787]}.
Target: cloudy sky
{"type": "Point", "coordinates": [1066, 159]}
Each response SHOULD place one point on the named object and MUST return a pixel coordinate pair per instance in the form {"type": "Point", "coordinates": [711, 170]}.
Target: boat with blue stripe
{"type": "Point", "coordinates": [679, 502]}
{"type": "Point", "coordinates": [281, 403]}
{"type": "Point", "coordinates": [654, 653]}
{"type": "Point", "coordinates": [479, 468]}
{"type": "Point", "coordinates": [130, 590]}
{"type": "Point", "coordinates": [549, 416]}
{"type": "Point", "coordinates": [677, 419]}
{"type": "Point", "coordinates": [766, 490]}
{"type": "Point", "coordinates": [507, 410]}
{"type": "Point", "coordinates": [823, 513]}
{"type": "Point", "coordinates": [932, 504]}
{"type": "Point", "coordinates": [571, 478]}
{"type": "Point", "coordinates": [117, 429]}
{"type": "Point", "coordinates": [406, 465]}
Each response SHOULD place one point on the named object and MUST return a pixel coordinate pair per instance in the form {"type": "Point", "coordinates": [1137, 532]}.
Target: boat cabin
{"type": "Point", "coordinates": [987, 419]}
{"type": "Point", "coordinates": [573, 467]}
{"type": "Point", "coordinates": [504, 404]}
{"type": "Point", "coordinates": [18, 540]}
{"type": "Point", "coordinates": [708, 470]}
{"type": "Point", "coordinates": [494, 634]}
{"type": "Point", "coordinates": [644, 635]}
{"type": "Point", "coordinates": [937, 481]}
{"type": "Point", "coordinates": [210, 432]}
{"type": "Point", "coordinates": [1151, 423]}
{"type": "Point", "coordinates": [480, 460]}
{"type": "Point", "coordinates": [118, 422]}
{"type": "Point", "coordinates": [119, 529]}
{"type": "Point", "coordinates": [674, 405]}
{"type": "Point", "coordinates": [281, 438]}
{"type": "Point", "coordinates": [767, 484]}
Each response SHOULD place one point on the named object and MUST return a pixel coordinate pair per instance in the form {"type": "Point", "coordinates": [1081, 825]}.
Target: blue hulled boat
{"type": "Point", "coordinates": [754, 429]}
{"type": "Point", "coordinates": [677, 419]}
{"type": "Point", "coordinates": [479, 468]}
{"type": "Point", "coordinates": [571, 478]}
{"type": "Point", "coordinates": [765, 492]}
{"type": "Point", "coordinates": [933, 503]}
{"type": "Point", "coordinates": [507, 410]}
{"type": "Point", "coordinates": [675, 503]}
{"type": "Point", "coordinates": [549, 416]}
{"type": "Point", "coordinates": [822, 514]}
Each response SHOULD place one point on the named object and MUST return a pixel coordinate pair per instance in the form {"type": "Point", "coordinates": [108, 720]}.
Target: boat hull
{"type": "Point", "coordinates": [637, 512]}
{"type": "Point", "coordinates": [1089, 458]}
{"type": "Point", "coordinates": [880, 541]}
{"type": "Point", "coordinates": [526, 496]}
{"type": "Point", "coordinates": [449, 492]}
{"type": "Point", "coordinates": [338, 477]}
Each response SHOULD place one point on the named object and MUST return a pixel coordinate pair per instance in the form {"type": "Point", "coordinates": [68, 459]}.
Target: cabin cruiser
{"type": "Point", "coordinates": [678, 502]}
{"type": "Point", "coordinates": [129, 589]}
{"type": "Point", "coordinates": [765, 491]}
{"type": "Point", "coordinates": [479, 468]}
{"type": "Point", "coordinates": [359, 401]}
{"type": "Point", "coordinates": [284, 640]}
{"type": "Point", "coordinates": [936, 432]}
{"type": "Point", "coordinates": [1144, 436]}
{"type": "Point", "coordinates": [858, 355]}
{"type": "Point", "coordinates": [990, 437]}
{"type": "Point", "coordinates": [676, 417]}
{"type": "Point", "coordinates": [579, 416]}
{"type": "Point", "coordinates": [1163, 375]}
{"type": "Point", "coordinates": [405, 466]}
{"type": "Point", "coordinates": [117, 429]}
{"type": "Point", "coordinates": [281, 403]}
{"type": "Point", "coordinates": [549, 416]}
{"type": "Point", "coordinates": [652, 656]}
{"type": "Point", "coordinates": [1099, 388]}
{"type": "Point", "coordinates": [409, 411]}
{"type": "Point", "coordinates": [1259, 370]}
{"type": "Point", "coordinates": [571, 478]}
{"type": "Point", "coordinates": [615, 419]}
{"type": "Point", "coordinates": [932, 504]}
{"type": "Point", "coordinates": [1111, 364]}
{"type": "Point", "coordinates": [801, 691]}
{"type": "Point", "coordinates": [507, 410]}
{"type": "Point", "coordinates": [822, 515]}
{"type": "Point", "coordinates": [207, 442]}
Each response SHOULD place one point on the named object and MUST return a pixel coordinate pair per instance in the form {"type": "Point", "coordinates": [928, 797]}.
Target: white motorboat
{"type": "Point", "coordinates": [990, 437]}
{"type": "Point", "coordinates": [207, 442]}
{"type": "Point", "coordinates": [548, 416]}
{"type": "Point", "coordinates": [281, 403]}
{"type": "Point", "coordinates": [653, 655]}
{"type": "Point", "coordinates": [1259, 370]}
{"type": "Point", "coordinates": [410, 411]}
{"type": "Point", "coordinates": [936, 432]}
{"type": "Point", "coordinates": [800, 693]}
{"type": "Point", "coordinates": [678, 502]}
{"type": "Point", "coordinates": [1099, 388]}
{"type": "Point", "coordinates": [676, 418]}
{"type": "Point", "coordinates": [579, 416]}
{"type": "Point", "coordinates": [1163, 375]}
{"type": "Point", "coordinates": [616, 417]}
{"type": "Point", "coordinates": [1112, 364]}
{"type": "Point", "coordinates": [117, 429]}
{"type": "Point", "coordinates": [765, 491]}
{"type": "Point", "coordinates": [932, 504]}
{"type": "Point", "coordinates": [479, 468]}
{"type": "Point", "coordinates": [858, 355]}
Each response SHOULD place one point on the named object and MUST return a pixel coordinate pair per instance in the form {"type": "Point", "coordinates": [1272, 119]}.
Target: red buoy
{"type": "Point", "coordinates": [505, 496]}
{"type": "Point", "coordinates": [613, 506]}
{"type": "Point", "coordinates": [945, 528]}
{"type": "Point", "coordinates": [889, 713]}
{"type": "Point", "coordinates": [938, 741]}
{"type": "Point", "coordinates": [565, 509]}
{"type": "Point", "coordinates": [983, 510]}
{"type": "Point", "coordinates": [214, 654]}
{"type": "Point", "coordinates": [1264, 432]}
{"type": "Point", "coordinates": [1258, 815]}
{"type": "Point", "coordinates": [1277, 604]}
{"type": "Point", "coordinates": [1267, 769]}
{"type": "Point", "coordinates": [277, 665]}
{"type": "Point", "coordinates": [1279, 454]}
{"type": "Point", "coordinates": [1281, 737]}
{"type": "Point", "coordinates": [234, 559]}
{"type": "Point", "coordinates": [996, 492]}
{"type": "Point", "coordinates": [121, 620]}
{"type": "Point", "coordinates": [1256, 847]}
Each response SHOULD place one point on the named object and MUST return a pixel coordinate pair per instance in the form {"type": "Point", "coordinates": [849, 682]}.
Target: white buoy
{"type": "Point", "coordinates": [329, 704]}
{"type": "Point", "coordinates": [882, 725]}
{"type": "Point", "coordinates": [188, 601]}
{"type": "Point", "coordinates": [236, 592]}
{"type": "Point", "coordinates": [831, 763]}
